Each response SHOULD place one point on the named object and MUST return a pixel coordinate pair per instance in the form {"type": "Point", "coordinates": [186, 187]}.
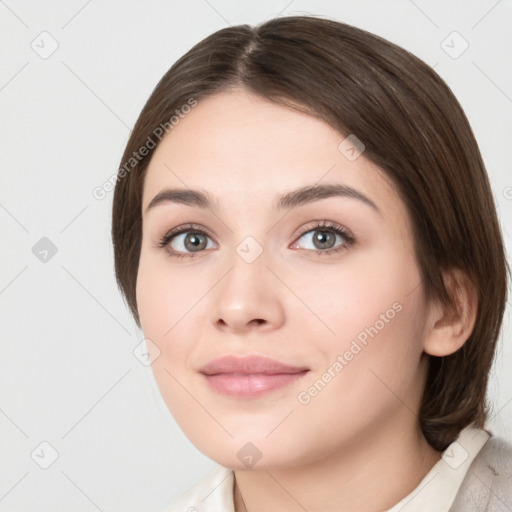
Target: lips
{"type": "Point", "coordinates": [250, 376]}
{"type": "Point", "coordinates": [248, 365]}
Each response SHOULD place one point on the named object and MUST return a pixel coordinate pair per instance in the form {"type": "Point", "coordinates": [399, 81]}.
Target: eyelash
{"type": "Point", "coordinates": [319, 226]}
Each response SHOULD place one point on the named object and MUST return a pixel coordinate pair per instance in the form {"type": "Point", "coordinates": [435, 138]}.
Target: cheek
{"type": "Point", "coordinates": [372, 313]}
{"type": "Point", "coordinates": [161, 302]}
{"type": "Point", "coordinates": [163, 297]}
{"type": "Point", "coordinates": [342, 301]}
{"type": "Point", "coordinates": [370, 369]}
{"type": "Point", "coordinates": [165, 304]}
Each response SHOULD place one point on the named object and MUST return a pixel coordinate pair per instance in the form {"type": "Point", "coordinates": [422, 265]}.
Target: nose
{"type": "Point", "coordinates": [248, 298]}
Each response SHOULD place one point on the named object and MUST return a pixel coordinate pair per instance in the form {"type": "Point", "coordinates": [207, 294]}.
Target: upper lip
{"type": "Point", "coordinates": [247, 365]}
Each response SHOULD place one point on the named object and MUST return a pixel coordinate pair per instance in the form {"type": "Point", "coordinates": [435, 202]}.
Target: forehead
{"type": "Point", "coordinates": [246, 150]}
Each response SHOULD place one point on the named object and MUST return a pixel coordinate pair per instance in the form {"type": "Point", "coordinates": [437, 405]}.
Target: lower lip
{"type": "Point", "coordinates": [255, 385]}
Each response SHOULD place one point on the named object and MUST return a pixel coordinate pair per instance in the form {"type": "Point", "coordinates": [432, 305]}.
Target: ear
{"type": "Point", "coordinates": [448, 328]}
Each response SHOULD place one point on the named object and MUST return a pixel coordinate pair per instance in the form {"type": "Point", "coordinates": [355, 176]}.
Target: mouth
{"type": "Point", "coordinates": [253, 385]}
{"type": "Point", "coordinates": [250, 376]}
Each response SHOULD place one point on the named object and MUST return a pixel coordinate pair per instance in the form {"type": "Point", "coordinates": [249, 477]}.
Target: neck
{"type": "Point", "coordinates": [373, 473]}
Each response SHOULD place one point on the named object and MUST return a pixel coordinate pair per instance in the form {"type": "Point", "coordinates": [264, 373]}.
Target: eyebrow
{"type": "Point", "coordinates": [291, 199]}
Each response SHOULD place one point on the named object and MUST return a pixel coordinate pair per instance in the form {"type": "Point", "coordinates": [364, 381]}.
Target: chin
{"type": "Point", "coordinates": [250, 449]}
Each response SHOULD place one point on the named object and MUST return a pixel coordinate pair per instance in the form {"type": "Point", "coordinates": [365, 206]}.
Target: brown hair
{"type": "Point", "coordinates": [412, 127]}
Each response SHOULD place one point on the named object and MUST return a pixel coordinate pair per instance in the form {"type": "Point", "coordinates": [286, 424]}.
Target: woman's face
{"type": "Point", "coordinates": [258, 275]}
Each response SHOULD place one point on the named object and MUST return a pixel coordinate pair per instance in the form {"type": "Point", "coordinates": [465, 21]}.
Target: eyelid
{"type": "Point", "coordinates": [326, 224]}
{"type": "Point", "coordinates": [184, 228]}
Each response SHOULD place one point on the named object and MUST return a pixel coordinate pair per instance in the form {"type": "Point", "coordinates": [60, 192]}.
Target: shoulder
{"type": "Point", "coordinates": [212, 493]}
{"type": "Point", "coordinates": [488, 482]}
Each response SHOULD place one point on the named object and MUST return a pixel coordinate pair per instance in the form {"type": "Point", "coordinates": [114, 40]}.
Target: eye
{"type": "Point", "coordinates": [190, 239]}
{"type": "Point", "coordinates": [185, 241]}
{"type": "Point", "coordinates": [323, 236]}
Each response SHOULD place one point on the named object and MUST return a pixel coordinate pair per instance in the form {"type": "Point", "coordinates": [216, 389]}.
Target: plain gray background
{"type": "Point", "coordinates": [69, 377]}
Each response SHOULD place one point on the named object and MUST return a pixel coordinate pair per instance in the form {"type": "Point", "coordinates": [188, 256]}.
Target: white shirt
{"type": "Point", "coordinates": [435, 493]}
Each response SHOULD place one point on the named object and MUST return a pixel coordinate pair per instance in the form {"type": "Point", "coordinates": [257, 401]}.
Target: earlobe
{"type": "Point", "coordinates": [448, 328]}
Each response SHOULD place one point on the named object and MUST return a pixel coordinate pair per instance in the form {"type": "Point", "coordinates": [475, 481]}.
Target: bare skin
{"type": "Point", "coordinates": [356, 443]}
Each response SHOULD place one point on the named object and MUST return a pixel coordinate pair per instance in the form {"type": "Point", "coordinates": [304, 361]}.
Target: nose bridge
{"type": "Point", "coordinates": [245, 296]}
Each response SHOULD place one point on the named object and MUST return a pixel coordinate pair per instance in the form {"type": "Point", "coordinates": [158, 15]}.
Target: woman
{"type": "Point", "coordinates": [305, 232]}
